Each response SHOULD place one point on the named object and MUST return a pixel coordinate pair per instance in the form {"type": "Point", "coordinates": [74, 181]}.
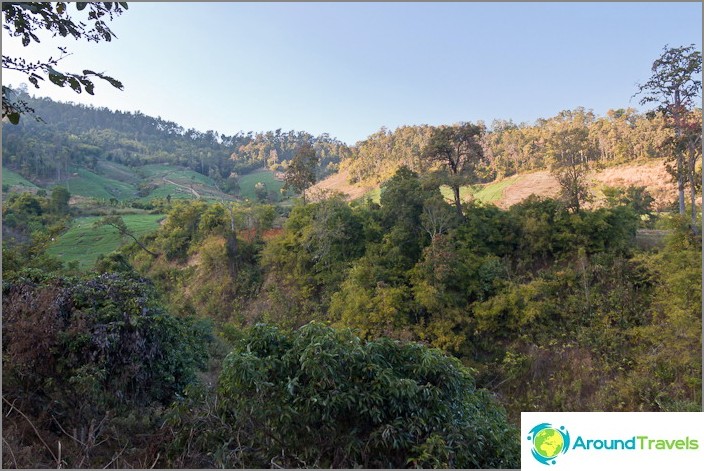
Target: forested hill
{"type": "Point", "coordinates": [77, 135]}
{"type": "Point", "coordinates": [623, 135]}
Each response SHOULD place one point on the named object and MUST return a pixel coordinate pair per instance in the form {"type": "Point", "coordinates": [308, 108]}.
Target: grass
{"type": "Point", "coordinates": [248, 181]}
{"type": "Point", "coordinates": [14, 179]}
{"type": "Point", "coordinates": [487, 193]}
{"type": "Point", "coordinates": [494, 191]}
{"type": "Point", "coordinates": [177, 174]}
{"type": "Point", "coordinates": [92, 185]}
{"type": "Point", "coordinates": [84, 243]}
{"type": "Point", "coordinates": [115, 171]}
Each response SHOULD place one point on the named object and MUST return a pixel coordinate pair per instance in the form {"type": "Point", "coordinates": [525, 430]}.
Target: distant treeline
{"type": "Point", "coordinates": [77, 135]}
{"type": "Point", "coordinates": [82, 135]}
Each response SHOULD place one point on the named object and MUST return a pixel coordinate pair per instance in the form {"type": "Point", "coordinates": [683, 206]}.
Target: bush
{"type": "Point", "coordinates": [55, 330]}
{"type": "Point", "coordinates": [319, 397]}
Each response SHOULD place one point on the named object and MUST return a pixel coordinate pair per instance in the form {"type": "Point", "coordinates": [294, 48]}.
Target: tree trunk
{"type": "Point", "coordinates": [142, 245]}
{"type": "Point", "coordinates": [680, 184]}
{"type": "Point", "coordinates": [231, 246]}
{"type": "Point", "coordinates": [458, 202]}
{"type": "Point", "coordinates": [691, 163]}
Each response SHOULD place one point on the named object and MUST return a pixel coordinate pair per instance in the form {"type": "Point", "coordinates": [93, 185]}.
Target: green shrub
{"type": "Point", "coordinates": [319, 397]}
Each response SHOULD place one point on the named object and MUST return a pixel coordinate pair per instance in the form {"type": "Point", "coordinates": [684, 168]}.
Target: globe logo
{"type": "Point", "coordinates": [548, 442]}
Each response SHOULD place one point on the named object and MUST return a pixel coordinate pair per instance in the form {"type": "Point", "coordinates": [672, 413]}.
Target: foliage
{"type": "Point", "coordinates": [59, 200]}
{"type": "Point", "coordinates": [673, 83]}
{"type": "Point", "coordinates": [300, 173]}
{"type": "Point", "coordinates": [81, 355]}
{"type": "Point", "coordinates": [26, 20]}
{"type": "Point", "coordinates": [30, 223]}
{"type": "Point", "coordinates": [675, 88]}
{"type": "Point", "coordinates": [318, 397]}
{"type": "Point", "coordinates": [459, 149]}
{"type": "Point", "coordinates": [309, 260]}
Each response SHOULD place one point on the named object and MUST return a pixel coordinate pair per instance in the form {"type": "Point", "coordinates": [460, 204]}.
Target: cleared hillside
{"type": "Point", "coordinates": [507, 192]}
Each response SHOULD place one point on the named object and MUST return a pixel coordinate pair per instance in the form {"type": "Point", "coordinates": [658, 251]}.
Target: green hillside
{"type": "Point", "coordinates": [248, 181]}
{"type": "Point", "coordinates": [91, 185]}
{"type": "Point", "coordinates": [15, 181]}
{"type": "Point", "coordinates": [84, 243]}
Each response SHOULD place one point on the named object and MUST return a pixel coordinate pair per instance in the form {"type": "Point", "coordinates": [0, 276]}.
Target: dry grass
{"type": "Point", "coordinates": [338, 182]}
{"type": "Point", "coordinates": [651, 174]}
{"type": "Point", "coordinates": [536, 183]}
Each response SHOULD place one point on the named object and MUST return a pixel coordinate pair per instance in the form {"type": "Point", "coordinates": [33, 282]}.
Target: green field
{"type": "Point", "coordinates": [14, 179]}
{"type": "Point", "coordinates": [92, 185]}
{"type": "Point", "coordinates": [177, 174]}
{"type": "Point", "coordinates": [487, 193]}
{"type": "Point", "coordinates": [248, 181]}
{"type": "Point", "coordinates": [83, 242]}
{"type": "Point", "coordinates": [493, 191]}
{"type": "Point", "coordinates": [115, 171]}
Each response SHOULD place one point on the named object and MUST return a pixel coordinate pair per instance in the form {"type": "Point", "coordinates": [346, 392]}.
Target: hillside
{"type": "Point", "coordinates": [511, 190]}
{"type": "Point", "coordinates": [75, 139]}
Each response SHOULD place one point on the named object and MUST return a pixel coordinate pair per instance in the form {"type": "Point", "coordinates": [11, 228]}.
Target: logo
{"type": "Point", "coordinates": [549, 442]}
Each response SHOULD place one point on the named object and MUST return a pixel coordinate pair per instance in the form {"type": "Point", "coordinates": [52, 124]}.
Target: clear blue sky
{"type": "Point", "coordinates": [350, 68]}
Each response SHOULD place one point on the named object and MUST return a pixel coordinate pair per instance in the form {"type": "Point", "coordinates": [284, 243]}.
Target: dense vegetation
{"type": "Point", "coordinates": [406, 332]}
{"type": "Point", "coordinates": [622, 135]}
{"type": "Point", "coordinates": [73, 136]}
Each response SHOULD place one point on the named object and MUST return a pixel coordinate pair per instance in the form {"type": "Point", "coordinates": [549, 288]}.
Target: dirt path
{"type": "Point", "coordinates": [195, 193]}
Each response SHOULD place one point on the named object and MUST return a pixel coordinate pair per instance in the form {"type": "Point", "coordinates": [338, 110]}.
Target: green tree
{"type": "Point", "coordinates": [59, 200]}
{"type": "Point", "coordinates": [675, 88]}
{"type": "Point", "coordinates": [301, 171]}
{"type": "Point", "coordinates": [570, 167]}
{"type": "Point", "coordinates": [27, 19]}
{"type": "Point", "coordinates": [459, 148]}
{"type": "Point", "coordinates": [261, 192]}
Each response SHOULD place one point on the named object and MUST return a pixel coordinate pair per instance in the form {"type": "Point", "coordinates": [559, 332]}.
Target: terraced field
{"type": "Point", "coordinates": [84, 243]}
{"type": "Point", "coordinates": [91, 185]}
{"type": "Point", "coordinates": [15, 181]}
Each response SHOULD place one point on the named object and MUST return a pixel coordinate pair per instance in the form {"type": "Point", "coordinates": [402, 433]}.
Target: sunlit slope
{"type": "Point", "coordinates": [509, 191]}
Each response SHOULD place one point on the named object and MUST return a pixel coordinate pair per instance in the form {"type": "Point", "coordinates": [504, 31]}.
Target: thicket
{"type": "Point", "coordinates": [88, 366]}
{"type": "Point", "coordinates": [320, 397]}
{"type": "Point", "coordinates": [545, 308]}
{"type": "Point", "coordinates": [554, 308]}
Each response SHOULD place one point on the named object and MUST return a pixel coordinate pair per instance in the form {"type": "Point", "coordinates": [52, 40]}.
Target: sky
{"type": "Point", "coordinates": [347, 69]}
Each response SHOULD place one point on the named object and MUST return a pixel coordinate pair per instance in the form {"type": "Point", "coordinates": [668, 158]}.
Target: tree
{"type": "Point", "coordinates": [674, 88]}
{"type": "Point", "coordinates": [117, 223]}
{"type": "Point", "coordinates": [301, 172]}
{"type": "Point", "coordinates": [692, 143]}
{"type": "Point", "coordinates": [261, 191]}
{"type": "Point", "coordinates": [568, 149]}
{"type": "Point", "coordinates": [59, 200]}
{"type": "Point", "coordinates": [458, 147]}
{"type": "Point", "coordinates": [27, 19]}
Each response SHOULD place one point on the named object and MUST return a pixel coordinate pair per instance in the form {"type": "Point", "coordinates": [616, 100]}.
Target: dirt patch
{"type": "Point", "coordinates": [338, 182]}
{"type": "Point", "coordinates": [652, 175]}
{"type": "Point", "coordinates": [537, 183]}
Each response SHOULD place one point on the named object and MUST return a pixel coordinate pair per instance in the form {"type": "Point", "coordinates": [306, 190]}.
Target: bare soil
{"type": "Point", "coordinates": [650, 174]}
